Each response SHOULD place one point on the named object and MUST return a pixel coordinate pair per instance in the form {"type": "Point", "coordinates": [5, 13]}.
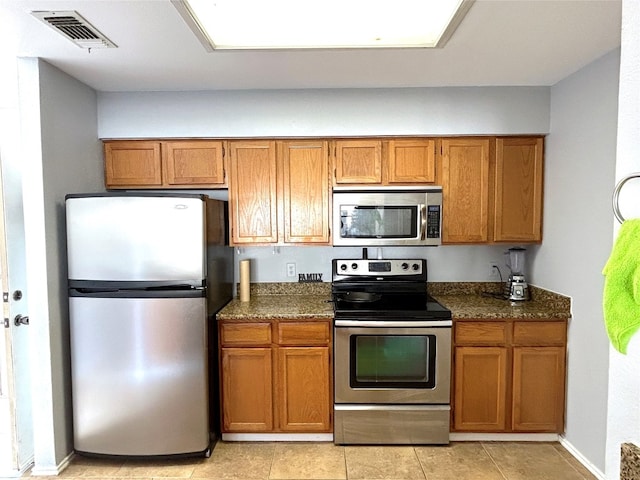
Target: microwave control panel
{"type": "Point", "coordinates": [433, 221]}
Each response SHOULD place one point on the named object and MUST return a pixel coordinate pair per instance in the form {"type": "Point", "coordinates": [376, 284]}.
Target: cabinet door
{"type": "Point", "coordinates": [246, 384]}
{"type": "Point", "coordinates": [252, 192]}
{"type": "Point", "coordinates": [305, 192]}
{"type": "Point", "coordinates": [130, 164]}
{"type": "Point", "coordinates": [465, 190]}
{"type": "Point", "coordinates": [518, 191]}
{"type": "Point", "coordinates": [538, 389]}
{"type": "Point", "coordinates": [304, 389]}
{"type": "Point", "coordinates": [480, 389]}
{"type": "Point", "coordinates": [412, 161]}
{"type": "Point", "coordinates": [194, 163]}
{"type": "Point", "coordinates": [358, 161]}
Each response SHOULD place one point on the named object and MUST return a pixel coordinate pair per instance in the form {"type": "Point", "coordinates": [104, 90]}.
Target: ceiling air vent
{"type": "Point", "coordinates": [75, 28]}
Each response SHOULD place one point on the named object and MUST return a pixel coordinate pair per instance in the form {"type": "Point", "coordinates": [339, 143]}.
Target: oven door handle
{"type": "Point", "coordinates": [398, 323]}
{"type": "Point", "coordinates": [423, 222]}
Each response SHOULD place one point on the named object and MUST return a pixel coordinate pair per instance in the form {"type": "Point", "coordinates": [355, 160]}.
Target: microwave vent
{"type": "Point", "coordinates": [74, 27]}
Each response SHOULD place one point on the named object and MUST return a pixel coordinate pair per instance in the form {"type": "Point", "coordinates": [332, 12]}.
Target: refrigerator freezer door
{"type": "Point", "coordinates": [139, 375]}
{"type": "Point", "coordinates": [130, 238]}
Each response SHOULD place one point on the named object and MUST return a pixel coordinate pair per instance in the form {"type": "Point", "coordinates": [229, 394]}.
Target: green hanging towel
{"type": "Point", "coordinates": [621, 299]}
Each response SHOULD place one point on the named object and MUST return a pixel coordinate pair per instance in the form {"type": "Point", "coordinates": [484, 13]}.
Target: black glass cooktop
{"type": "Point", "coordinates": [392, 305]}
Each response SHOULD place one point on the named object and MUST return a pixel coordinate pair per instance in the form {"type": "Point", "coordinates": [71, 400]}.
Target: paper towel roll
{"type": "Point", "coordinates": [245, 280]}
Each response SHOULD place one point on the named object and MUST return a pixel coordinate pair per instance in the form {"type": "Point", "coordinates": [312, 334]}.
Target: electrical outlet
{"type": "Point", "coordinates": [493, 271]}
{"type": "Point", "coordinates": [291, 269]}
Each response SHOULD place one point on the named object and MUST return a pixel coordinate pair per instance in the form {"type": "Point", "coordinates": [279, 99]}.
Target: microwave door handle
{"type": "Point", "coordinates": [423, 222]}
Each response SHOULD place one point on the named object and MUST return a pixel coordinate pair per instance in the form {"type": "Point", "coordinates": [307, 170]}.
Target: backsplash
{"type": "Point", "coordinates": [450, 263]}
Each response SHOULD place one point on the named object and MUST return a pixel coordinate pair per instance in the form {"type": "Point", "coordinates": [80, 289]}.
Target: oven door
{"type": "Point", "coordinates": [386, 362]}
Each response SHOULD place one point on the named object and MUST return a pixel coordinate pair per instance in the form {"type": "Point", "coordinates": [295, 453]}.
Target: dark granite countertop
{"type": "Point", "coordinates": [476, 300]}
{"type": "Point", "coordinates": [465, 300]}
{"type": "Point", "coordinates": [281, 300]}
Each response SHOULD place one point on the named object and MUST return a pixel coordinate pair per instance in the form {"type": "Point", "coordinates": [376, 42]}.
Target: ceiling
{"type": "Point", "coordinates": [503, 42]}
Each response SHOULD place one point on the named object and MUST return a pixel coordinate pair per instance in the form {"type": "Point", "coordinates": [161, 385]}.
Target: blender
{"type": "Point", "coordinates": [516, 288]}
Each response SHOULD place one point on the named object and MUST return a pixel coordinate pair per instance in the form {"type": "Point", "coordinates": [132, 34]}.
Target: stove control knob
{"type": "Point", "coordinates": [343, 266]}
{"type": "Point", "coordinates": [354, 266]}
{"type": "Point", "coordinates": [415, 267]}
{"type": "Point", "coordinates": [405, 266]}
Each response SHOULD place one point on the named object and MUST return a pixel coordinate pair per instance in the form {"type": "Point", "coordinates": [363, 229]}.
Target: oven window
{"type": "Point", "coordinates": [406, 361]}
{"type": "Point", "coordinates": [379, 222]}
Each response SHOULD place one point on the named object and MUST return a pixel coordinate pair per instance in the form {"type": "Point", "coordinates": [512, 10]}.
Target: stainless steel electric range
{"type": "Point", "coordinates": [392, 354]}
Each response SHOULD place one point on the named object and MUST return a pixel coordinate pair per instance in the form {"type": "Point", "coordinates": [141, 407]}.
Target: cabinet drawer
{"type": "Point", "coordinates": [303, 333]}
{"type": "Point", "coordinates": [480, 333]}
{"type": "Point", "coordinates": [245, 334]}
{"type": "Point", "coordinates": [539, 333]}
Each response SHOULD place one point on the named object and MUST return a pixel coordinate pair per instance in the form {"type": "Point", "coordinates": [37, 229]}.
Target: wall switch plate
{"type": "Point", "coordinates": [291, 269]}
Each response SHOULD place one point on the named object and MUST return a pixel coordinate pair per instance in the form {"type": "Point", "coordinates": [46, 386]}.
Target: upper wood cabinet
{"type": "Point", "coordinates": [253, 192]}
{"type": "Point", "coordinates": [305, 190]}
{"type": "Point", "coordinates": [492, 190]}
{"type": "Point", "coordinates": [131, 164]}
{"type": "Point", "coordinates": [279, 192]}
{"type": "Point", "coordinates": [134, 164]}
{"type": "Point", "coordinates": [465, 190]}
{"type": "Point", "coordinates": [411, 161]}
{"type": "Point", "coordinates": [518, 190]}
{"type": "Point", "coordinates": [193, 163]}
{"type": "Point", "coordinates": [358, 161]}
{"type": "Point", "coordinates": [384, 162]}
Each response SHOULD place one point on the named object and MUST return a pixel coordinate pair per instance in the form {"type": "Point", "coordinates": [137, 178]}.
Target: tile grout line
{"type": "Point", "coordinates": [346, 468]}
{"type": "Point", "coordinates": [566, 460]}
{"type": "Point", "coordinates": [424, 474]}
{"type": "Point", "coordinates": [493, 461]}
{"type": "Point", "coordinates": [273, 459]}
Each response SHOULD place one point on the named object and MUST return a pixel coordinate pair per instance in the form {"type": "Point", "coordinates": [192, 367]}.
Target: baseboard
{"type": "Point", "coordinates": [277, 437]}
{"type": "Point", "coordinates": [15, 473]}
{"type": "Point", "coordinates": [578, 456]}
{"type": "Point", "coordinates": [24, 468]}
{"type": "Point", "coordinates": [51, 471]}
{"type": "Point", "coordinates": [504, 437]}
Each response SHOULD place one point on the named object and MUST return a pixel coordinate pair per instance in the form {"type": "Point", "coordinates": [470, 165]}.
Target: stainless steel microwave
{"type": "Point", "coordinates": [398, 216]}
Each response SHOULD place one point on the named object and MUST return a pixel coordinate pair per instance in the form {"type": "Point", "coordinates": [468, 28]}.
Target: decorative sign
{"type": "Point", "coordinates": [309, 277]}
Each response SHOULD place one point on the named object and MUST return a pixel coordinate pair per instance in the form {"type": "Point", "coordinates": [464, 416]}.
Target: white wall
{"type": "Point", "coordinates": [292, 113]}
{"type": "Point", "coordinates": [579, 171]}
{"type": "Point", "coordinates": [62, 155]}
{"type": "Point", "coordinates": [349, 112]}
{"type": "Point", "coordinates": [624, 380]}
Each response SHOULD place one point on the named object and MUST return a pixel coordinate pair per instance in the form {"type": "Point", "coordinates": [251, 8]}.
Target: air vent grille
{"type": "Point", "coordinates": [73, 26]}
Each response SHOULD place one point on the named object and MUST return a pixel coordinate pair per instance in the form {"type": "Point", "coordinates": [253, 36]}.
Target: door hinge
{"type": "Point", "coordinates": [6, 323]}
{"type": "Point", "coordinates": [5, 297]}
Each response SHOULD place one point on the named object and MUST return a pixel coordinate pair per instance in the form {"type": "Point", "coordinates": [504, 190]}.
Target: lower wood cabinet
{"type": "Point", "coordinates": [481, 384]}
{"type": "Point", "coordinates": [509, 376]}
{"type": "Point", "coordinates": [276, 376]}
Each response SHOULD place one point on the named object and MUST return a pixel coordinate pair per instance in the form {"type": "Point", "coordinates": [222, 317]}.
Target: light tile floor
{"type": "Point", "coordinates": [325, 461]}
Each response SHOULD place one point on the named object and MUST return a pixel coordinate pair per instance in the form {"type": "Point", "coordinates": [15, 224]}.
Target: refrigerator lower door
{"type": "Point", "coordinates": [139, 375]}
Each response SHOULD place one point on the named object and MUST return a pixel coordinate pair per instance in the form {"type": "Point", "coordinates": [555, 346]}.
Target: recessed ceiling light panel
{"type": "Point", "coordinates": [295, 24]}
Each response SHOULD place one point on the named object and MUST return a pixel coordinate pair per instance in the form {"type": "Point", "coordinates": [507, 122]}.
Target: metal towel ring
{"type": "Point", "coordinates": [616, 194]}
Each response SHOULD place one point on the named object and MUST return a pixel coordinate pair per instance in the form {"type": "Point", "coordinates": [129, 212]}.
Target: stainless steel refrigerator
{"type": "Point", "coordinates": [147, 273]}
